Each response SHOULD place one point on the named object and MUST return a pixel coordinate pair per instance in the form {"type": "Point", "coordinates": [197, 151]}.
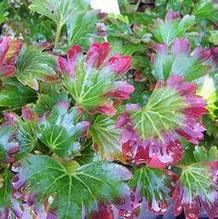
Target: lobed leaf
{"type": "Point", "coordinates": [59, 11]}
{"type": "Point", "coordinates": [153, 184]}
{"type": "Point", "coordinates": [33, 64]}
{"type": "Point", "coordinates": [106, 137]}
{"type": "Point", "coordinates": [60, 130]}
{"type": "Point", "coordinates": [74, 188]}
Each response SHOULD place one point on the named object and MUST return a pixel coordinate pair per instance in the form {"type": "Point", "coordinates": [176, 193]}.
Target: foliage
{"type": "Point", "coordinates": [108, 116]}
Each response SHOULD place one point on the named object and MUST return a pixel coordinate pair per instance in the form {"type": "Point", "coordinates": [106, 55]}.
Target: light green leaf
{"type": "Point", "coordinates": [163, 112]}
{"type": "Point", "coordinates": [185, 65]}
{"type": "Point", "coordinates": [81, 26]}
{"type": "Point", "coordinates": [74, 187]}
{"type": "Point", "coordinates": [196, 179]}
{"type": "Point", "coordinates": [166, 32]}
{"type": "Point", "coordinates": [106, 137]}
{"type": "Point", "coordinates": [59, 11]}
{"type": "Point", "coordinates": [6, 141]}
{"type": "Point", "coordinates": [3, 14]}
{"type": "Point", "coordinates": [206, 9]}
{"type": "Point", "coordinates": [203, 155]}
{"type": "Point", "coordinates": [213, 38]}
{"type": "Point", "coordinates": [208, 89]}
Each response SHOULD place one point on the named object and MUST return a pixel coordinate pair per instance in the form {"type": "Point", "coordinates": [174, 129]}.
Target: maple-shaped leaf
{"type": "Point", "coordinates": [74, 188]}
{"type": "Point", "coordinates": [152, 131]}
{"type": "Point", "coordinates": [13, 94]}
{"type": "Point", "coordinates": [173, 26]}
{"type": "Point", "coordinates": [9, 50]}
{"type": "Point", "coordinates": [106, 137]}
{"type": "Point", "coordinates": [155, 185]}
{"type": "Point", "coordinates": [178, 60]}
{"type": "Point", "coordinates": [8, 144]}
{"type": "Point", "coordinates": [92, 80]}
{"type": "Point", "coordinates": [33, 64]}
{"type": "Point", "coordinates": [197, 187]}
{"type": "Point", "coordinates": [60, 130]}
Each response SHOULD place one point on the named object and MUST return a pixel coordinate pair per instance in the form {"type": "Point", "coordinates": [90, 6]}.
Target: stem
{"type": "Point", "coordinates": [58, 34]}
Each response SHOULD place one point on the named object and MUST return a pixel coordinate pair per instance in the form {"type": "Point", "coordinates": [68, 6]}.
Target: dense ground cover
{"type": "Point", "coordinates": [108, 116]}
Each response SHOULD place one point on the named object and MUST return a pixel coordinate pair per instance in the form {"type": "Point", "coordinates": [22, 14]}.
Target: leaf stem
{"type": "Point", "coordinates": [58, 34]}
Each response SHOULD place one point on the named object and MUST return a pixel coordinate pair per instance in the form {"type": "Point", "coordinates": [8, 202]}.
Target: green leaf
{"type": "Point", "coordinates": [106, 137]}
{"type": "Point", "coordinates": [154, 184]}
{"type": "Point", "coordinates": [60, 131]}
{"type": "Point", "coordinates": [206, 9]}
{"type": "Point", "coordinates": [5, 190]}
{"type": "Point", "coordinates": [49, 98]}
{"type": "Point", "coordinates": [88, 87]}
{"type": "Point", "coordinates": [185, 65]}
{"type": "Point", "coordinates": [125, 48]}
{"type": "Point", "coordinates": [213, 38]}
{"type": "Point", "coordinates": [27, 138]}
{"type": "Point", "coordinates": [3, 15]}
{"type": "Point", "coordinates": [208, 89]}
{"type": "Point", "coordinates": [197, 180]}
{"type": "Point", "coordinates": [13, 94]}
{"type": "Point", "coordinates": [6, 141]}
{"type": "Point", "coordinates": [81, 26]}
{"type": "Point", "coordinates": [60, 11]}
{"type": "Point", "coordinates": [33, 65]}
{"type": "Point", "coordinates": [166, 32]}
{"type": "Point", "coordinates": [211, 126]}
{"type": "Point", "coordinates": [162, 112]}
{"type": "Point", "coordinates": [10, 206]}
{"type": "Point", "coordinates": [203, 155]}
{"type": "Point", "coordinates": [76, 187]}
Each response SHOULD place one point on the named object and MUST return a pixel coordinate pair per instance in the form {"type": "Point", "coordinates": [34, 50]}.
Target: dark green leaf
{"type": "Point", "coordinates": [74, 187]}
{"type": "Point", "coordinates": [27, 138]}
{"type": "Point", "coordinates": [14, 95]}
{"type": "Point", "coordinates": [33, 65]}
{"type": "Point", "coordinates": [153, 184]}
{"type": "Point", "coordinates": [47, 100]}
{"type": "Point", "coordinates": [61, 130]}
{"type": "Point", "coordinates": [5, 190]}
